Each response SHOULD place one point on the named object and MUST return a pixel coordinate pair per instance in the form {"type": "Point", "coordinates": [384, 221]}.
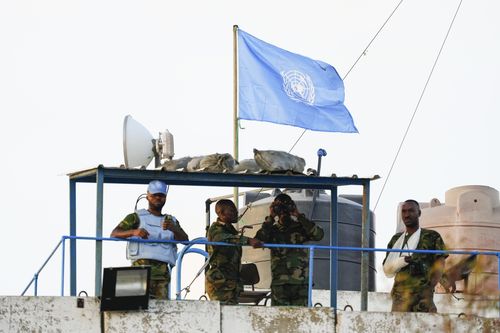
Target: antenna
{"type": "Point", "coordinates": [139, 146]}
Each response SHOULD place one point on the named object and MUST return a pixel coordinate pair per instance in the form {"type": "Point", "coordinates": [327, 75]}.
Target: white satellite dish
{"type": "Point", "coordinates": [139, 146]}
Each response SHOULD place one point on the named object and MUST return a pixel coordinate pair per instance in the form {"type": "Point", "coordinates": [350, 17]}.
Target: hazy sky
{"type": "Point", "coordinates": [70, 71]}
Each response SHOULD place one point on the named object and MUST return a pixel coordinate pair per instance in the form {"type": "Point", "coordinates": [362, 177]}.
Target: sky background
{"type": "Point", "coordinates": [70, 71]}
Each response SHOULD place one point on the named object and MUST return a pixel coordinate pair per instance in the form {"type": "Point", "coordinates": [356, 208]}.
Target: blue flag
{"type": "Point", "coordinates": [281, 87]}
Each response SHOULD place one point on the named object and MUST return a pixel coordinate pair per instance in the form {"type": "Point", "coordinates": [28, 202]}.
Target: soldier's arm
{"type": "Point", "coordinates": [438, 266]}
{"type": "Point", "coordinates": [390, 245]}
{"type": "Point", "coordinates": [129, 228]}
{"type": "Point", "coordinates": [313, 231]}
{"type": "Point", "coordinates": [220, 235]}
{"type": "Point", "coordinates": [265, 232]}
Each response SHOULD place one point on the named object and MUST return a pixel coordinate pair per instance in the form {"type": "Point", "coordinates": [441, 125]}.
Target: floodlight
{"type": "Point", "coordinates": [139, 146]}
{"type": "Point", "coordinates": [125, 288]}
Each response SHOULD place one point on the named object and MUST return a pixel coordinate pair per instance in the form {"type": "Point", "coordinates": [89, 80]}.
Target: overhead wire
{"type": "Point", "coordinates": [357, 60]}
{"type": "Point", "coordinates": [417, 105]}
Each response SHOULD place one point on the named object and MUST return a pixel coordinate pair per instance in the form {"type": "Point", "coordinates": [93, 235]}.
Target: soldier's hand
{"type": "Point", "coordinates": [295, 212]}
{"type": "Point", "coordinates": [271, 211]}
{"type": "Point", "coordinates": [143, 233]}
{"type": "Point", "coordinates": [168, 225]}
{"type": "Point", "coordinates": [255, 243]}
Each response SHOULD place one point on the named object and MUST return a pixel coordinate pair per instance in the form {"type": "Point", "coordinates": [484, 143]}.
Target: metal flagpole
{"type": "Point", "coordinates": [235, 107]}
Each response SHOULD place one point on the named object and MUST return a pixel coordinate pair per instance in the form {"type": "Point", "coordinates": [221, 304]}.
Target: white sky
{"type": "Point", "coordinates": [71, 70]}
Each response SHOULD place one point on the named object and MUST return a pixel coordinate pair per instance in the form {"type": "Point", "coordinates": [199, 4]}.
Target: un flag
{"type": "Point", "coordinates": [282, 87]}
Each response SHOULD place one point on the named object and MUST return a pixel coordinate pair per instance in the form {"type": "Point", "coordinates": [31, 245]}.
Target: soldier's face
{"type": "Point", "coordinates": [228, 214]}
{"type": "Point", "coordinates": [410, 214]}
{"type": "Point", "coordinates": [156, 201]}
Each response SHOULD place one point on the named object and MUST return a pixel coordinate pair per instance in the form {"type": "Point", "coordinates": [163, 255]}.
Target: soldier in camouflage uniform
{"type": "Point", "coordinates": [222, 282]}
{"type": "Point", "coordinates": [413, 289]}
{"type": "Point", "coordinates": [152, 224]}
{"type": "Point", "coordinates": [290, 267]}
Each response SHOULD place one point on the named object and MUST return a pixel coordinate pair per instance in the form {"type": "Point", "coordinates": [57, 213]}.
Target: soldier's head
{"type": "Point", "coordinates": [226, 211]}
{"type": "Point", "coordinates": [157, 195]}
{"type": "Point", "coordinates": [410, 213]}
{"type": "Point", "coordinates": [283, 205]}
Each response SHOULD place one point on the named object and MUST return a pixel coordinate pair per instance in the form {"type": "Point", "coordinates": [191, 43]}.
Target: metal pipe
{"type": "Point", "coordinates": [311, 269]}
{"type": "Point", "coordinates": [36, 284]}
{"type": "Point", "coordinates": [333, 253]}
{"type": "Point", "coordinates": [235, 107]}
{"type": "Point", "coordinates": [321, 152]}
{"type": "Point", "coordinates": [63, 258]}
{"type": "Point", "coordinates": [72, 232]}
{"type": "Point", "coordinates": [98, 230]}
{"type": "Point", "coordinates": [365, 243]}
{"type": "Point", "coordinates": [180, 256]}
{"type": "Point", "coordinates": [35, 277]}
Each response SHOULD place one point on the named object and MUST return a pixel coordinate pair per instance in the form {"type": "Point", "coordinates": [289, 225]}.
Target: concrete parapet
{"type": "Point", "coordinates": [61, 314]}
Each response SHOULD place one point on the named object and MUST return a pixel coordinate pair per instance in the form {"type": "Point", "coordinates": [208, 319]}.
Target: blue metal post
{"type": "Point", "coordinates": [498, 257]}
{"type": "Point", "coordinates": [311, 271]}
{"type": "Point", "coordinates": [63, 255]}
{"type": "Point", "coordinates": [72, 232]}
{"type": "Point", "coordinates": [365, 243]}
{"type": "Point", "coordinates": [333, 253]}
{"type": "Point", "coordinates": [98, 230]}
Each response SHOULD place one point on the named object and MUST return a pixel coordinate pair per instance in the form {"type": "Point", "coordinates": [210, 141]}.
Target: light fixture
{"type": "Point", "coordinates": [125, 288]}
{"type": "Point", "coordinates": [139, 146]}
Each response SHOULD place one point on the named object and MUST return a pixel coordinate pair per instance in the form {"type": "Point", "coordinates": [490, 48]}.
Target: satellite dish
{"type": "Point", "coordinates": [139, 146]}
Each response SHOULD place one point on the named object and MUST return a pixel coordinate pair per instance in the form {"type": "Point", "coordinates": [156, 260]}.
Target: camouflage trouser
{"type": "Point", "coordinates": [220, 289]}
{"type": "Point", "coordinates": [160, 277]}
{"type": "Point", "coordinates": [289, 294]}
{"type": "Point", "coordinates": [411, 301]}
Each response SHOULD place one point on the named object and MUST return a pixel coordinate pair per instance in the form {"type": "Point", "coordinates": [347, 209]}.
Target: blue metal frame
{"type": "Point", "coordinates": [101, 175]}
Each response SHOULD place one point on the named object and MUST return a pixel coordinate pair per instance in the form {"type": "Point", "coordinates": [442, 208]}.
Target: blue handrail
{"type": "Point", "coordinates": [35, 276]}
{"type": "Point", "coordinates": [202, 241]}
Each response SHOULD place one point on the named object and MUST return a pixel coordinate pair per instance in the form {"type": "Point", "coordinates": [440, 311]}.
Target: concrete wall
{"type": "Point", "coordinates": [48, 314]}
{"type": "Point", "coordinates": [60, 314]}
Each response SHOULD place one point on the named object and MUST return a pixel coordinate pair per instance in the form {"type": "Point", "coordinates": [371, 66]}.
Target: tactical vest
{"type": "Point", "coordinates": [166, 252]}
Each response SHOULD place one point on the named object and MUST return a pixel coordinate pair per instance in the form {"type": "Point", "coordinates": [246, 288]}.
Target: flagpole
{"type": "Point", "coordinates": [235, 107]}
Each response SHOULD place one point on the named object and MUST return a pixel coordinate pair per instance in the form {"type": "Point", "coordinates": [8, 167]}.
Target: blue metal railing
{"type": "Point", "coordinates": [202, 241]}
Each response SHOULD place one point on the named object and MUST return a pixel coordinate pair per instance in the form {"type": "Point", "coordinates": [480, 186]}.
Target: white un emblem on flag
{"type": "Point", "coordinates": [298, 86]}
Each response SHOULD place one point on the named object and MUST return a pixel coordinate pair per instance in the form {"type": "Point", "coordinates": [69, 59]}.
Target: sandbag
{"type": "Point", "coordinates": [212, 163]}
{"type": "Point", "coordinates": [275, 160]}
{"type": "Point", "coordinates": [247, 166]}
{"type": "Point", "coordinates": [175, 165]}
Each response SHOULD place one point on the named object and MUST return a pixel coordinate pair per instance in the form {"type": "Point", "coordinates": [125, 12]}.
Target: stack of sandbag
{"type": "Point", "coordinates": [278, 161]}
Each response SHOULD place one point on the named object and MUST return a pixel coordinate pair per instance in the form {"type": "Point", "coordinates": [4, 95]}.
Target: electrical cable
{"type": "Point", "coordinates": [416, 107]}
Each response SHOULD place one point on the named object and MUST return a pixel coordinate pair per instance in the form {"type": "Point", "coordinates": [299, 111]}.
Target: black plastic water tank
{"type": "Point", "coordinates": [349, 231]}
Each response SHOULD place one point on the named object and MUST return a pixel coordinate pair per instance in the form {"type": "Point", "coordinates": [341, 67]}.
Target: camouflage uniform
{"type": "Point", "coordinates": [160, 272]}
{"type": "Point", "coordinates": [290, 267]}
{"type": "Point", "coordinates": [412, 290]}
{"type": "Point", "coordinates": [222, 280]}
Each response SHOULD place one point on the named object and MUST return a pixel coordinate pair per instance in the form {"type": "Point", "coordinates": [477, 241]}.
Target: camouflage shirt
{"type": "Point", "coordinates": [289, 266]}
{"type": "Point", "coordinates": [417, 275]}
{"type": "Point", "coordinates": [225, 259]}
